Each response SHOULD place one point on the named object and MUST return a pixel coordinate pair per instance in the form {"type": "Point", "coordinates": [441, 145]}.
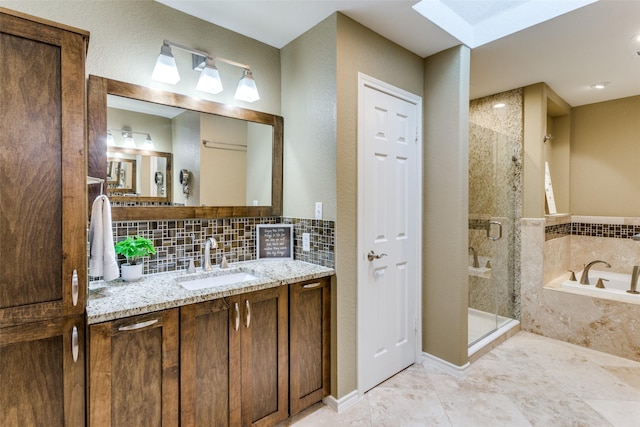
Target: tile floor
{"type": "Point", "coordinates": [526, 381]}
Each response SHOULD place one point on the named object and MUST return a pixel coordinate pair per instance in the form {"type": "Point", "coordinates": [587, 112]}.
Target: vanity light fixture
{"type": "Point", "coordinates": [129, 141]}
{"type": "Point", "coordinates": [166, 71]}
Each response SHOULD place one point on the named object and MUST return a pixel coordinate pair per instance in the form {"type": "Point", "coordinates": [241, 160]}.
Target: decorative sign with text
{"type": "Point", "coordinates": [274, 241]}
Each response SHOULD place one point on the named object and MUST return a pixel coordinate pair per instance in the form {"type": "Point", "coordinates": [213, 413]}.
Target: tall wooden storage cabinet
{"type": "Point", "coordinates": [43, 219]}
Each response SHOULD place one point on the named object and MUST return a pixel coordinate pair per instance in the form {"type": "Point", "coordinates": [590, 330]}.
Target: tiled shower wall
{"type": "Point", "coordinates": [178, 241]}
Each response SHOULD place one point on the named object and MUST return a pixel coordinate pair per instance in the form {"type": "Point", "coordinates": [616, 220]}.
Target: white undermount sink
{"type": "Point", "coordinates": [216, 281]}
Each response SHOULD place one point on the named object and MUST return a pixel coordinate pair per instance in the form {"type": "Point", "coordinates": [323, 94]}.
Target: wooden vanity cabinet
{"type": "Point", "coordinates": [42, 373]}
{"type": "Point", "coordinates": [133, 371]}
{"type": "Point", "coordinates": [309, 343]}
{"type": "Point", "coordinates": [234, 360]}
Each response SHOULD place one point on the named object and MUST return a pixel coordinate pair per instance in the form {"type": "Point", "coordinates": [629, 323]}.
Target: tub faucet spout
{"type": "Point", "coordinates": [584, 278]}
{"type": "Point", "coordinates": [476, 263]}
{"type": "Point", "coordinates": [634, 280]}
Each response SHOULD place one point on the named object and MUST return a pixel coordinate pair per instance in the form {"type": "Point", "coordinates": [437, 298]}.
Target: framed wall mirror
{"type": "Point", "coordinates": [152, 138]}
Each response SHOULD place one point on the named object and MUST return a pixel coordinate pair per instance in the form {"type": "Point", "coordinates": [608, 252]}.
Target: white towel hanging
{"type": "Point", "coordinates": [102, 254]}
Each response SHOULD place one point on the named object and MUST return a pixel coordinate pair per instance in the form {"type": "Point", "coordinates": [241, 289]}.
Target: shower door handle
{"type": "Point", "coordinates": [489, 236]}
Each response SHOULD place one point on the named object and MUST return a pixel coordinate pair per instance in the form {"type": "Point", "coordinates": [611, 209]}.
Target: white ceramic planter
{"type": "Point", "coordinates": [131, 273]}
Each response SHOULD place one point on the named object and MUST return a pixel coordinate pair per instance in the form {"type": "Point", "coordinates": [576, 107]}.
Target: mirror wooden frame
{"type": "Point", "coordinates": [99, 87]}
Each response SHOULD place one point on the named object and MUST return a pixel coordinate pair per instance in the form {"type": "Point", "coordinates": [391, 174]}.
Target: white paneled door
{"type": "Point", "coordinates": [389, 203]}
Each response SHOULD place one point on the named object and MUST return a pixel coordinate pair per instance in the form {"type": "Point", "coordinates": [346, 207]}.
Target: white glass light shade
{"type": "Point", "coordinates": [247, 90]}
{"type": "Point", "coordinates": [128, 140]}
{"type": "Point", "coordinates": [166, 70]}
{"type": "Point", "coordinates": [209, 80]}
{"type": "Point", "coordinates": [148, 143]}
{"type": "Point", "coordinates": [110, 141]}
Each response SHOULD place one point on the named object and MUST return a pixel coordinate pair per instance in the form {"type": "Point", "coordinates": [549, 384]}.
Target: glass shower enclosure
{"type": "Point", "coordinates": [493, 176]}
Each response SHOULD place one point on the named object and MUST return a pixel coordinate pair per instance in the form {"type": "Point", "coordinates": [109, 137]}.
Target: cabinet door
{"type": "Point", "coordinates": [42, 158]}
{"type": "Point", "coordinates": [210, 364]}
{"type": "Point", "coordinates": [309, 343]}
{"type": "Point", "coordinates": [42, 373]}
{"type": "Point", "coordinates": [133, 371]}
{"type": "Point", "coordinates": [265, 356]}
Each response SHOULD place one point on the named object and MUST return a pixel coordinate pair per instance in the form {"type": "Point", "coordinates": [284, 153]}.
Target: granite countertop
{"type": "Point", "coordinates": [118, 299]}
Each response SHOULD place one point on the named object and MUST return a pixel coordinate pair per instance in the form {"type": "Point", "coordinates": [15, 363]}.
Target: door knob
{"type": "Point", "coordinates": [372, 255]}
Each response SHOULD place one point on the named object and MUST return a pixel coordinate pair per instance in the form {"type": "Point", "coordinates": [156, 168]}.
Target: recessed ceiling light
{"type": "Point", "coordinates": [499, 105]}
{"type": "Point", "coordinates": [599, 86]}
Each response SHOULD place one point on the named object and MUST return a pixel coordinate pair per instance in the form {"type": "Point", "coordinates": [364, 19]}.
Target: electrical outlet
{"type": "Point", "coordinates": [318, 210]}
{"type": "Point", "coordinates": [306, 242]}
{"type": "Point", "coordinates": [255, 203]}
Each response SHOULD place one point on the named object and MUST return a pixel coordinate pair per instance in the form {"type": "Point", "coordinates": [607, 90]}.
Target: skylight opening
{"type": "Point", "coordinates": [477, 22]}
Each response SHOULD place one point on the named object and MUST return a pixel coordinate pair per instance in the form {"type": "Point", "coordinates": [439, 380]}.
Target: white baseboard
{"type": "Point", "coordinates": [446, 367]}
{"type": "Point", "coordinates": [344, 402]}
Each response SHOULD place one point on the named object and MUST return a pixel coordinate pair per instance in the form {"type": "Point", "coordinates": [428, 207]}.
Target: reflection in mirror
{"type": "Point", "coordinates": [138, 175]}
{"type": "Point", "coordinates": [121, 175]}
{"type": "Point", "coordinates": [233, 155]}
{"type": "Point", "coordinates": [230, 160]}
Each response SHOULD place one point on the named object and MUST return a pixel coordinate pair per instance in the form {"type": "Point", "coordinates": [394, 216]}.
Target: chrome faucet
{"type": "Point", "coordinates": [584, 278]}
{"type": "Point", "coordinates": [209, 243]}
{"type": "Point", "coordinates": [476, 264]}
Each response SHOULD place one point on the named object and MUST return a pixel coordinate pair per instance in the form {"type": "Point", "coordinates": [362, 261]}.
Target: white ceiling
{"type": "Point", "coordinates": [592, 44]}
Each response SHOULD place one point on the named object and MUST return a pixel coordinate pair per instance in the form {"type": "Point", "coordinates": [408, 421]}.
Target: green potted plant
{"type": "Point", "coordinates": [134, 249]}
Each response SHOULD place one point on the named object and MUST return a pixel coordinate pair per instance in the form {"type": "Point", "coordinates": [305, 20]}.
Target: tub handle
{"type": "Point", "coordinates": [489, 236]}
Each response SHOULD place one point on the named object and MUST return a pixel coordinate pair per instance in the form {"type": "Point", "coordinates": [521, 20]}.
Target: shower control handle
{"type": "Point", "coordinates": [489, 236]}
{"type": "Point", "coordinates": [372, 255]}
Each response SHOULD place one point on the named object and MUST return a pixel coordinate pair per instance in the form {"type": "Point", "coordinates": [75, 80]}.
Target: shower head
{"type": "Point", "coordinates": [547, 138]}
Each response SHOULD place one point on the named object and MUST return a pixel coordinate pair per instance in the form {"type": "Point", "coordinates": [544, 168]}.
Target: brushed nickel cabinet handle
{"type": "Point", "coordinates": [74, 343]}
{"type": "Point", "coordinates": [237, 316]}
{"type": "Point", "coordinates": [138, 325]}
{"type": "Point", "coordinates": [248, 306]}
{"type": "Point", "coordinates": [74, 287]}
{"type": "Point", "coordinates": [311, 285]}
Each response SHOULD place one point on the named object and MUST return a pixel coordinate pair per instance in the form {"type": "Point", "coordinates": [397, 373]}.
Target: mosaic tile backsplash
{"type": "Point", "coordinates": [616, 231]}
{"type": "Point", "coordinates": [178, 241]}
